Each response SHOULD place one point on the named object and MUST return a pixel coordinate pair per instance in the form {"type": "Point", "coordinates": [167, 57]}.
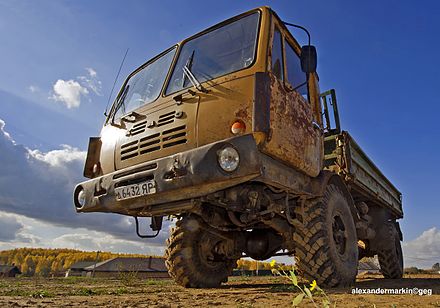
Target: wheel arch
{"type": "Point", "coordinates": [326, 178]}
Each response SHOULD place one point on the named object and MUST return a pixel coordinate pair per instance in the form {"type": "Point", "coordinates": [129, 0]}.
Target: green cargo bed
{"type": "Point", "coordinates": [365, 181]}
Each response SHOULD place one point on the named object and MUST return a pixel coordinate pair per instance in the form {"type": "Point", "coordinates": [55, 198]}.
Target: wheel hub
{"type": "Point", "coordinates": [339, 235]}
{"type": "Point", "coordinates": [208, 251]}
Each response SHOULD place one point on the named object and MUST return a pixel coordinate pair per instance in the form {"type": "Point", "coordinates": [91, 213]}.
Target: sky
{"type": "Point", "coordinates": [59, 59]}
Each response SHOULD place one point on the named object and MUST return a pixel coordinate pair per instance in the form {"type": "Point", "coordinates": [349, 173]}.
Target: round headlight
{"type": "Point", "coordinates": [81, 198]}
{"type": "Point", "coordinates": [228, 159]}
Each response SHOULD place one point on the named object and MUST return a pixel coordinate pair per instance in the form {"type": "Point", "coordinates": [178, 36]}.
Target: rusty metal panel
{"type": "Point", "coordinates": [293, 139]}
{"type": "Point", "coordinates": [92, 156]}
{"type": "Point", "coordinates": [277, 175]}
{"type": "Point", "coordinates": [225, 103]}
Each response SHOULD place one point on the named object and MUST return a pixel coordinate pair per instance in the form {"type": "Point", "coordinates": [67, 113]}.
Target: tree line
{"type": "Point", "coordinates": [44, 262]}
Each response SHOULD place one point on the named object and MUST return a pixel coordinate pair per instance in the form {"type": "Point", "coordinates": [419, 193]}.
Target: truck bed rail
{"type": "Point", "coordinates": [366, 182]}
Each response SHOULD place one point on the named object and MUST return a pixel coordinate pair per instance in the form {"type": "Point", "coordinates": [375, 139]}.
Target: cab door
{"type": "Point", "coordinates": [296, 136]}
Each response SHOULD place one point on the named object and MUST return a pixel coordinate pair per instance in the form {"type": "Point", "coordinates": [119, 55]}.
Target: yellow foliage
{"type": "Point", "coordinates": [40, 261]}
{"type": "Point", "coordinates": [252, 265]}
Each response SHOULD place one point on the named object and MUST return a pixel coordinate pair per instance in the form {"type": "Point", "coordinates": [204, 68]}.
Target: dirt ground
{"type": "Point", "coordinates": [238, 292]}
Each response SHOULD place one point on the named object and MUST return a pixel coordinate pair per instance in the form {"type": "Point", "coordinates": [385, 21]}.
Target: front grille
{"type": "Point", "coordinates": [154, 142]}
{"type": "Point", "coordinates": [166, 118]}
{"type": "Point", "coordinates": [140, 127]}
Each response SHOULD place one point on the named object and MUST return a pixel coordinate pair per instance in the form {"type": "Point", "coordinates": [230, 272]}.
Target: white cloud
{"type": "Point", "coordinates": [39, 185]}
{"type": "Point", "coordinates": [423, 251]}
{"type": "Point", "coordinates": [20, 231]}
{"type": "Point", "coordinates": [91, 72]}
{"type": "Point", "coordinates": [68, 92]}
{"type": "Point", "coordinates": [58, 158]}
{"type": "Point", "coordinates": [33, 88]}
{"type": "Point", "coordinates": [91, 81]}
{"type": "Point", "coordinates": [5, 133]}
{"type": "Point", "coordinates": [14, 230]}
{"type": "Point", "coordinates": [104, 242]}
{"type": "Point", "coordinates": [10, 227]}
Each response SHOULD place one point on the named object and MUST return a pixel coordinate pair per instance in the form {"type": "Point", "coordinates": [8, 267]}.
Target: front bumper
{"type": "Point", "coordinates": [179, 178]}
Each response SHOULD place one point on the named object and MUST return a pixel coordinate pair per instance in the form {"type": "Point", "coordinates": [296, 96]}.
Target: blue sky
{"type": "Point", "coordinates": [380, 56]}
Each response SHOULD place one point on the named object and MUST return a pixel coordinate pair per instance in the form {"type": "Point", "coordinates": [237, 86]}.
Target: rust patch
{"type": "Point", "coordinates": [293, 138]}
{"type": "Point", "coordinates": [243, 113]}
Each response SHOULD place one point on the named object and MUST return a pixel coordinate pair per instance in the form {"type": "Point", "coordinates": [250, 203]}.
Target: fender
{"type": "Point", "coordinates": [325, 178]}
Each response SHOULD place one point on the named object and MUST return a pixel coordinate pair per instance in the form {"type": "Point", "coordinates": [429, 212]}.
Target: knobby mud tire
{"type": "Point", "coordinates": [391, 256]}
{"type": "Point", "coordinates": [318, 255]}
{"type": "Point", "coordinates": [186, 258]}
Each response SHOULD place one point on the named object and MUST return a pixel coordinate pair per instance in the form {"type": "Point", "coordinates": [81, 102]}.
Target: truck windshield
{"type": "Point", "coordinates": [216, 53]}
{"type": "Point", "coordinates": [145, 85]}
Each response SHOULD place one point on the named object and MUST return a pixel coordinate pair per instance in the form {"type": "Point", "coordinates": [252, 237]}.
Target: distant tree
{"type": "Point", "coordinates": [18, 259]}
{"type": "Point", "coordinates": [28, 267]}
{"type": "Point", "coordinates": [436, 267]}
{"type": "Point", "coordinates": [55, 267]}
{"type": "Point", "coordinates": [412, 270]}
{"type": "Point", "coordinates": [43, 267]}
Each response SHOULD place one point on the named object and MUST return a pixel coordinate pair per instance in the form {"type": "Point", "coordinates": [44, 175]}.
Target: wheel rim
{"type": "Point", "coordinates": [339, 234]}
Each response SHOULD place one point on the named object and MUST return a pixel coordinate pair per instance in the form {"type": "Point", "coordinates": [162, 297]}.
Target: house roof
{"type": "Point", "coordinates": [367, 266]}
{"type": "Point", "coordinates": [81, 265]}
{"type": "Point", "coordinates": [8, 268]}
{"type": "Point", "coordinates": [120, 264]}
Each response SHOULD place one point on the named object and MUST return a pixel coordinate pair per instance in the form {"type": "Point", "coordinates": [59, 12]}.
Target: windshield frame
{"type": "Point", "coordinates": [210, 29]}
{"type": "Point", "coordinates": [110, 118]}
{"type": "Point", "coordinates": [115, 104]}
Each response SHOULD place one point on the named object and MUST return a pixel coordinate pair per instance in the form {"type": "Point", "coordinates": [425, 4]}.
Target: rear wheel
{"type": "Point", "coordinates": [325, 239]}
{"type": "Point", "coordinates": [193, 256]}
{"type": "Point", "coordinates": [391, 256]}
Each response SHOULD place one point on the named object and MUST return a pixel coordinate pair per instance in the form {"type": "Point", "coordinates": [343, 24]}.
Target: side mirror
{"type": "Point", "coordinates": [308, 59]}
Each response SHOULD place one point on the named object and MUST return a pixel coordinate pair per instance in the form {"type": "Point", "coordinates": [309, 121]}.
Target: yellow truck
{"type": "Point", "coordinates": [228, 133]}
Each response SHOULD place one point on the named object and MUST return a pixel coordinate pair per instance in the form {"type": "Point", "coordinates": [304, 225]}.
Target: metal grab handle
{"type": "Point", "coordinates": [316, 125]}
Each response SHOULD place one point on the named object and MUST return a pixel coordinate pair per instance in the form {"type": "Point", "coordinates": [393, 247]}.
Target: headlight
{"type": "Point", "coordinates": [228, 159]}
{"type": "Point", "coordinates": [80, 198]}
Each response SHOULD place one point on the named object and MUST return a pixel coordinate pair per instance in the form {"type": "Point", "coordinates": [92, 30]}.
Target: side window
{"type": "Point", "coordinates": [295, 76]}
{"type": "Point", "coordinates": [277, 55]}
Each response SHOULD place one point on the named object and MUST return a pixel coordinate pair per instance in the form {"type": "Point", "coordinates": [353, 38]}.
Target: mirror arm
{"type": "Point", "coordinates": [299, 27]}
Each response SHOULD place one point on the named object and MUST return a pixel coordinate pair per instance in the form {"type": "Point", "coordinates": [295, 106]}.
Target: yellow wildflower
{"type": "Point", "coordinates": [313, 285]}
{"type": "Point", "coordinates": [272, 263]}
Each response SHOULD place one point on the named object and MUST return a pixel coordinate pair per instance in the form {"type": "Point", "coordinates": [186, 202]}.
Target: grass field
{"type": "Point", "coordinates": [238, 292]}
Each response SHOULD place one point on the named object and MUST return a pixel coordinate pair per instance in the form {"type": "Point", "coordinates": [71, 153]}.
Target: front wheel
{"type": "Point", "coordinates": [193, 256]}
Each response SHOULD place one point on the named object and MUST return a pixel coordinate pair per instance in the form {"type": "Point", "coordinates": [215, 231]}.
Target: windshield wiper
{"type": "Point", "coordinates": [120, 103]}
{"type": "Point", "coordinates": [189, 74]}
{"type": "Point", "coordinates": [188, 64]}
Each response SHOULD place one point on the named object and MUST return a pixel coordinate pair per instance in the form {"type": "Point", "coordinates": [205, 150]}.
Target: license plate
{"type": "Point", "coordinates": [135, 190]}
